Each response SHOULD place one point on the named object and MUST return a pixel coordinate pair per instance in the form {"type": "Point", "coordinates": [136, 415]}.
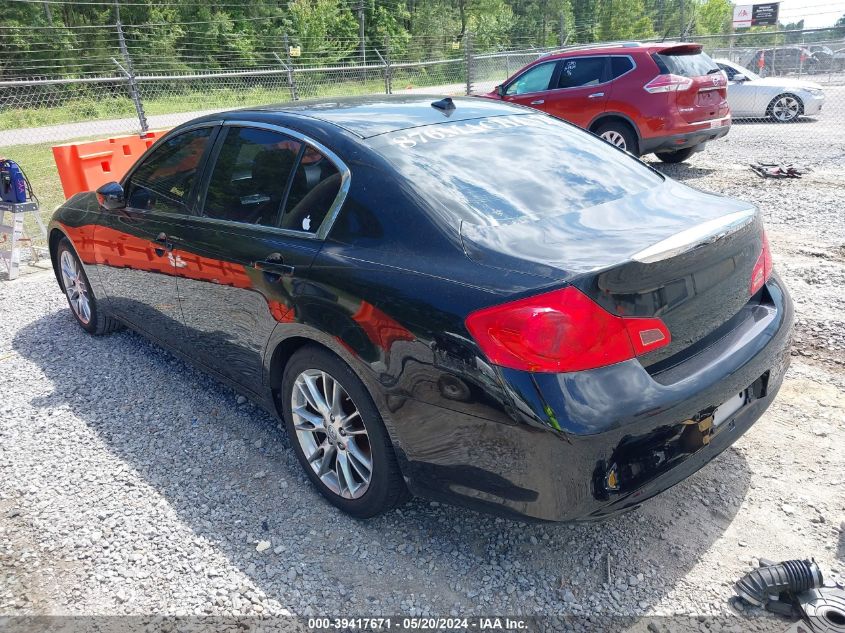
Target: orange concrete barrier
{"type": "Point", "coordinates": [88, 165]}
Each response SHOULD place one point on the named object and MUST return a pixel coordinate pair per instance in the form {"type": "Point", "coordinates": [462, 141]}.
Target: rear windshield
{"type": "Point", "coordinates": [512, 168]}
{"type": "Point", "coordinates": [685, 64]}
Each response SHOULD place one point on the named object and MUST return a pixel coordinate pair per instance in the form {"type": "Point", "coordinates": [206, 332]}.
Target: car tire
{"type": "Point", "coordinates": [79, 293]}
{"type": "Point", "coordinates": [678, 156]}
{"type": "Point", "coordinates": [785, 108]}
{"type": "Point", "coordinates": [620, 135]}
{"type": "Point", "coordinates": [340, 479]}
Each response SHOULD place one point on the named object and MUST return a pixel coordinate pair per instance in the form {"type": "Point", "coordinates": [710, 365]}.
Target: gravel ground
{"type": "Point", "coordinates": [134, 484]}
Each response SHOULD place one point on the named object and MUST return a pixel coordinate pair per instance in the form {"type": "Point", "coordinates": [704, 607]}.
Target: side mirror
{"type": "Point", "coordinates": [500, 90]}
{"type": "Point", "coordinates": [111, 196]}
{"type": "Point", "coordinates": [739, 78]}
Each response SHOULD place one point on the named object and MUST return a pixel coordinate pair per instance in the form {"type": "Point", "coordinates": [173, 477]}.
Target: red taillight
{"type": "Point", "coordinates": [559, 331]}
{"type": "Point", "coordinates": [763, 268]}
{"type": "Point", "coordinates": [668, 83]}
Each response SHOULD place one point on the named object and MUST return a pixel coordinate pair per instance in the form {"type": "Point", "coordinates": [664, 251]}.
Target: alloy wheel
{"type": "Point", "coordinates": [331, 433]}
{"type": "Point", "coordinates": [75, 287]}
{"type": "Point", "coordinates": [615, 138]}
{"type": "Point", "coordinates": [786, 108]}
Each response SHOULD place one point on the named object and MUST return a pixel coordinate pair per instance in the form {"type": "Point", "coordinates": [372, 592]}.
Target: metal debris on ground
{"type": "Point", "coordinates": [779, 170]}
{"type": "Point", "coordinates": [797, 589]}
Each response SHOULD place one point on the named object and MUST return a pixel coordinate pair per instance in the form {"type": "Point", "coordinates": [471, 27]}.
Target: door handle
{"type": "Point", "coordinates": [165, 245]}
{"type": "Point", "coordinates": [538, 102]}
{"type": "Point", "coordinates": [274, 267]}
{"type": "Point", "coordinates": [595, 95]}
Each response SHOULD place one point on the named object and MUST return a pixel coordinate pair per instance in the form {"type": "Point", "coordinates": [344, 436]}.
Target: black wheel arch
{"type": "Point", "coordinates": [282, 346]}
{"type": "Point", "coordinates": [608, 117]}
{"type": "Point", "coordinates": [56, 236]}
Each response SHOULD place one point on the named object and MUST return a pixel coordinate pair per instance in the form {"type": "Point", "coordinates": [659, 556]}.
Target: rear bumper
{"type": "Point", "coordinates": [567, 432]}
{"type": "Point", "coordinates": [697, 135]}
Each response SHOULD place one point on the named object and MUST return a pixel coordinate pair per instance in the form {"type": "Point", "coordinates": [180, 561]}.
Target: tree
{"type": "Point", "coordinates": [714, 17]}
{"type": "Point", "coordinates": [325, 29]}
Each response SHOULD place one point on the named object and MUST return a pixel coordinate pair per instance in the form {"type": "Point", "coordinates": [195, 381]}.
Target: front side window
{"type": "Point", "coordinates": [164, 180]}
{"type": "Point", "coordinates": [580, 71]}
{"type": "Point", "coordinates": [250, 176]}
{"type": "Point", "coordinates": [533, 80]}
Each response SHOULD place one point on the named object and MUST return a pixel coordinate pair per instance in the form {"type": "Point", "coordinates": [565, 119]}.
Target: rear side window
{"type": "Point", "coordinates": [466, 170]}
{"type": "Point", "coordinates": [533, 80]}
{"type": "Point", "coordinates": [620, 65]}
{"type": "Point", "coordinates": [315, 185]}
{"type": "Point", "coordinates": [685, 64]}
{"type": "Point", "coordinates": [580, 71]}
{"type": "Point", "coordinates": [250, 176]}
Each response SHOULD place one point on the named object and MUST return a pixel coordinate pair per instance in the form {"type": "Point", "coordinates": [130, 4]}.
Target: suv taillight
{"type": "Point", "coordinates": [763, 268]}
{"type": "Point", "coordinates": [668, 83]}
{"type": "Point", "coordinates": [560, 331]}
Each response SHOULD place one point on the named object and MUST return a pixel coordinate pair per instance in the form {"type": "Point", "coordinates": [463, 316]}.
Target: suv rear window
{"type": "Point", "coordinates": [512, 168]}
{"type": "Point", "coordinates": [685, 64]}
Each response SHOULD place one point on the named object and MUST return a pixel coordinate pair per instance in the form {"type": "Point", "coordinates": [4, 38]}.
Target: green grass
{"type": "Point", "coordinates": [91, 106]}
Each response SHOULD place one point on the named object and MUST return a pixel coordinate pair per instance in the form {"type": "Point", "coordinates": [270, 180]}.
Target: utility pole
{"type": "Point", "coordinates": [129, 72]}
{"type": "Point", "coordinates": [360, 8]}
{"type": "Point", "coordinates": [683, 22]}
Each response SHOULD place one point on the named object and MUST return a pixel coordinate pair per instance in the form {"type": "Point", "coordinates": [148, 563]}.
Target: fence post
{"type": "Point", "coordinates": [289, 67]}
{"type": "Point", "coordinates": [470, 61]}
{"type": "Point", "coordinates": [134, 94]}
{"type": "Point", "coordinates": [388, 71]}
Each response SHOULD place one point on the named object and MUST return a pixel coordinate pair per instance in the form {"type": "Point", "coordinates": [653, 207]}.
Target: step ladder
{"type": "Point", "coordinates": [14, 236]}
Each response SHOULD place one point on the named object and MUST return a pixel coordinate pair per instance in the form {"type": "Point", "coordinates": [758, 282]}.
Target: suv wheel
{"type": "Point", "coordinates": [678, 156]}
{"type": "Point", "coordinates": [338, 435]}
{"type": "Point", "coordinates": [620, 135]}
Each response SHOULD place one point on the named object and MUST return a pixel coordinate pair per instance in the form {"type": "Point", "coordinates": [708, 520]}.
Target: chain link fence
{"type": "Point", "coordinates": [129, 90]}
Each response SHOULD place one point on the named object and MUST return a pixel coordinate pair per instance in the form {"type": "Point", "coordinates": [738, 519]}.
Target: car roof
{"type": "Point", "coordinates": [619, 48]}
{"type": "Point", "coordinates": [373, 115]}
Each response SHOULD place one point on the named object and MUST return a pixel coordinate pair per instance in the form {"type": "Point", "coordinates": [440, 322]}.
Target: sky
{"type": "Point", "coordinates": [816, 13]}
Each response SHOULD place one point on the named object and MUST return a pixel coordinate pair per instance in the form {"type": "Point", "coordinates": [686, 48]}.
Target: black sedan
{"type": "Point", "coordinates": [459, 299]}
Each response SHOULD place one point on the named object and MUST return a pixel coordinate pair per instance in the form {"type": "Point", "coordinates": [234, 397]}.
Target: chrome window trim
{"type": "Point", "coordinates": [334, 210]}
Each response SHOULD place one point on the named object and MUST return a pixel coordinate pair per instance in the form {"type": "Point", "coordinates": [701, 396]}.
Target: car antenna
{"type": "Point", "coordinates": [446, 104]}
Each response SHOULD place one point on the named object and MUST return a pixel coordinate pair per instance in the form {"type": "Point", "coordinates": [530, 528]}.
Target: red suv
{"type": "Point", "coordinates": [667, 98]}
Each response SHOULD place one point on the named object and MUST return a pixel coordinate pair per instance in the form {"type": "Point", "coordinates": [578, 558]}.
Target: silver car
{"type": "Point", "coordinates": [781, 99]}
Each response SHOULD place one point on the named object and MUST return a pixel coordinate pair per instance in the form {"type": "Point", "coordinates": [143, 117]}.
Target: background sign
{"type": "Point", "coordinates": [765, 14]}
{"type": "Point", "coordinates": [746, 15]}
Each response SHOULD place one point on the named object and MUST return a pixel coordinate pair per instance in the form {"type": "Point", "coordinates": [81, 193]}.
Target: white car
{"type": "Point", "coordinates": [781, 99]}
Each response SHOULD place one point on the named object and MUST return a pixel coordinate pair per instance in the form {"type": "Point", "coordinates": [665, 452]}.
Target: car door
{"type": "Point", "coordinates": [532, 86]}
{"type": "Point", "coordinates": [580, 89]}
{"type": "Point", "coordinates": [132, 245]}
{"type": "Point", "coordinates": [240, 261]}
